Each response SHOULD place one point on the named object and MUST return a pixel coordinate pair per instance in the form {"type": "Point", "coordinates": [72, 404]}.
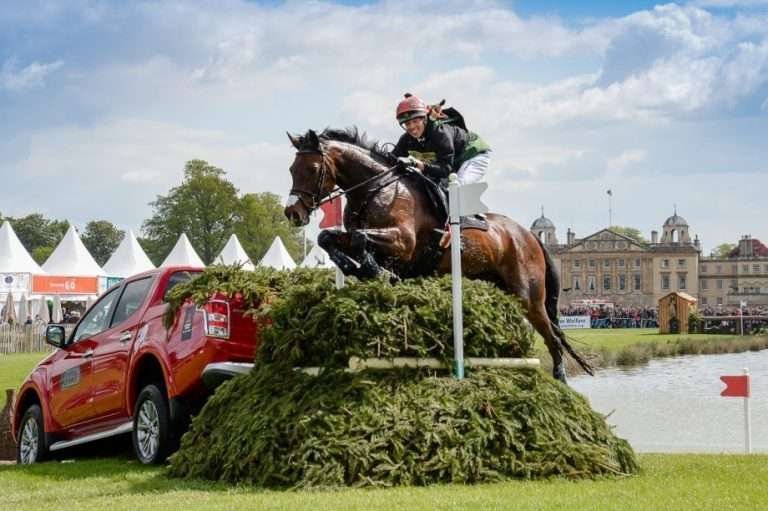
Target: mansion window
{"type": "Point", "coordinates": [765, 269]}
{"type": "Point", "coordinates": [681, 262]}
{"type": "Point", "coordinates": [719, 300]}
{"type": "Point", "coordinates": [734, 268]}
{"type": "Point", "coordinates": [637, 263]}
{"type": "Point", "coordinates": [577, 283]}
{"type": "Point", "coordinates": [681, 280]}
{"type": "Point", "coordinates": [577, 263]}
{"type": "Point", "coordinates": [734, 284]}
{"type": "Point", "coordinates": [621, 262]}
{"type": "Point", "coordinates": [607, 263]}
{"type": "Point", "coordinates": [591, 263]}
{"type": "Point", "coordinates": [703, 284]}
{"type": "Point", "coordinates": [719, 283]}
{"type": "Point", "coordinates": [665, 281]}
{"type": "Point", "coordinates": [607, 282]}
{"type": "Point", "coordinates": [591, 283]}
{"type": "Point", "coordinates": [637, 282]}
{"type": "Point", "coordinates": [622, 282]}
{"type": "Point", "coordinates": [755, 268]}
{"type": "Point", "coordinates": [703, 268]}
{"type": "Point", "coordinates": [665, 263]}
{"type": "Point", "coordinates": [745, 268]}
{"type": "Point", "coordinates": [703, 300]}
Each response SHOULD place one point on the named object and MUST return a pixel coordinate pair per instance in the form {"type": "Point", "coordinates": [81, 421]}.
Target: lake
{"type": "Point", "coordinates": [674, 404]}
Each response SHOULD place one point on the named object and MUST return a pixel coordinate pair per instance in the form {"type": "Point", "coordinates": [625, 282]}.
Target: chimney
{"type": "Point", "coordinates": [696, 243]}
{"type": "Point", "coordinates": [654, 237]}
{"type": "Point", "coordinates": [571, 237]}
{"type": "Point", "coordinates": [745, 246]}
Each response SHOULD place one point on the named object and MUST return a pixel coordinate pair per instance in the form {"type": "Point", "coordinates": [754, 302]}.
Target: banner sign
{"type": "Point", "coordinates": [574, 322]}
{"type": "Point", "coordinates": [45, 285]}
{"type": "Point", "coordinates": [16, 283]}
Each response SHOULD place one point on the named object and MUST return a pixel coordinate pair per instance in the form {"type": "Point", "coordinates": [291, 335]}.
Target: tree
{"type": "Point", "coordinates": [260, 219]}
{"type": "Point", "coordinates": [101, 238]}
{"type": "Point", "coordinates": [206, 206]}
{"type": "Point", "coordinates": [630, 232]}
{"type": "Point", "coordinates": [723, 249]}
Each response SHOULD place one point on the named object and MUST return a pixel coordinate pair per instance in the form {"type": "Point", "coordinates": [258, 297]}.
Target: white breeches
{"type": "Point", "coordinates": [474, 169]}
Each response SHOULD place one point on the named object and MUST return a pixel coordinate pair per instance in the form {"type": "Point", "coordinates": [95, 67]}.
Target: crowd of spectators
{"type": "Point", "coordinates": [616, 316]}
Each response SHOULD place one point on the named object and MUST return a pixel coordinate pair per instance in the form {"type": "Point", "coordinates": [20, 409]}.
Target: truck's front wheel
{"type": "Point", "coordinates": [30, 444]}
{"type": "Point", "coordinates": [151, 426]}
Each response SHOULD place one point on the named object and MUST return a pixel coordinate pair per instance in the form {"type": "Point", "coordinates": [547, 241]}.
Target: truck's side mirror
{"type": "Point", "coordinates": [55, 335]}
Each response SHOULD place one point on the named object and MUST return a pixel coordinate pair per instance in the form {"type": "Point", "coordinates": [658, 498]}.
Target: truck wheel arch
{"type": "Point", "coordinates": [148, 369]}
{"type": "Point", "coordinates": [28, 398]}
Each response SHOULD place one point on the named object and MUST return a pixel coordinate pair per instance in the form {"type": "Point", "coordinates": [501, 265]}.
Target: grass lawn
{"type": "Point", "coordinates": [14, 368]}
{"type": "Point", "coordinates": [618, 338]}
{"type": "Point", "coordinates": [700, 482]}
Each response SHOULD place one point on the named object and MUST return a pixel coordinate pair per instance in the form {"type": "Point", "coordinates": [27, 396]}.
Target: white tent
{"type": "Point", "coordinates": [14, 258]}
{"type": "Point", "coordinates": [277, 257]}
{"type": "Point", "coordinates": [183, 254]}
{"type": "Point", "coordinates": [234, 253]}
{"type": "Point", "coordinates": [71, 258]}
{"type": "Point", "coordinates": [317, 258]}
{"type": "Point", "coordinates": [128, 259]}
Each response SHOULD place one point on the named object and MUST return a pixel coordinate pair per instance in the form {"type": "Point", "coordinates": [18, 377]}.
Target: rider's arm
{"type": "Point", "coordinates": [442, 144]}
{"type": "Point", "coordinates": [401, 148]}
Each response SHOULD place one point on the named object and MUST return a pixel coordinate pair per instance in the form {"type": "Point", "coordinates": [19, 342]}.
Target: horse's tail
{"type": "Point", "coordinates": [552, 285]}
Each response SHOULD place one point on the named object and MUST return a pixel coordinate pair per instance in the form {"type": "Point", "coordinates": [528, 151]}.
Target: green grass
{"type": "Point", "coordinates": [14, 368]}
{"type": "Point", "coordinates": [700, 482]}
{"type": "Point", "coordinates": [634, 346]}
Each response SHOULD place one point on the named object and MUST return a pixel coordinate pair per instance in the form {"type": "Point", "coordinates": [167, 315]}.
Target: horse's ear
{"type": "Point", "coordinates": [295, 140]}
{"type": "Point", "coordinates": [312, 141]}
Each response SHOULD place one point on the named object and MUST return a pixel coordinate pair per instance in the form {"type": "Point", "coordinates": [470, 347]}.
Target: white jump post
{"type": "Point", "coordinates": [462, 200]}
{"type": "Point", "coordinates": [458, 317]}
{"type": "Point", "coordinates": [747, 419]}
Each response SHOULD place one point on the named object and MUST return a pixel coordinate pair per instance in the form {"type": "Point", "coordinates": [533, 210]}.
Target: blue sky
{"type": "Point", "coordinates": [102, 102]}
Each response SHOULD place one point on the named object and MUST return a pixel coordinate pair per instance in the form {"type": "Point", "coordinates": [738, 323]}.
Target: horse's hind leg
{"type": "Point", "coordinates": [537, 315]}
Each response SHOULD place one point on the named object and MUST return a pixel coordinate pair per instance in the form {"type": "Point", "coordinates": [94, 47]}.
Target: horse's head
{"type": "Point", "coordinates": [312, 178]}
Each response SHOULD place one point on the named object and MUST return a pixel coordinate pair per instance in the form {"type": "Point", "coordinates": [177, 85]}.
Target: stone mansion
{"type": "Point", "coordinates": [608, 266]}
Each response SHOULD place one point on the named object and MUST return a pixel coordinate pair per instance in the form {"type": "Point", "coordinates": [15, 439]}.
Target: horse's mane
{"type": "Point", "coordinates": [357, 138]}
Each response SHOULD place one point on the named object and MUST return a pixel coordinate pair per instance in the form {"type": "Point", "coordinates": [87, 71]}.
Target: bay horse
{"type": "Point", "coordinates": [391, 224]}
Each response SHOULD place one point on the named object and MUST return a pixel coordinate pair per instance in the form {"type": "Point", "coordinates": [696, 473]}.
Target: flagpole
{"type": "Point", "coordinates": [610, 209]}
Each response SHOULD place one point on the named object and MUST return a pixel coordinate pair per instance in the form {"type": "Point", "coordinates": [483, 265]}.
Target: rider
{"type": "Point", "coordinates": [437, 149]}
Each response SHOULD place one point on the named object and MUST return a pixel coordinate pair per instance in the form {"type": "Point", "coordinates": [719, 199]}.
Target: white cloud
{"type": "Point", "coordinates": [29, 77]}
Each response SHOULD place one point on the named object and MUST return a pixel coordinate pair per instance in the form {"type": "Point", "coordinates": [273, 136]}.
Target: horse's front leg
{"type": "Point", "coordinates": [354, 251]}
{"type": "Point", "coordinates": [337, 243]}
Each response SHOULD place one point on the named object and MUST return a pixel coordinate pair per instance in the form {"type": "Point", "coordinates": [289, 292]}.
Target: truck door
{"type": "Point", "coordinates": [113, 349]}
{"type": "Point", "coordinates": [71, 377]}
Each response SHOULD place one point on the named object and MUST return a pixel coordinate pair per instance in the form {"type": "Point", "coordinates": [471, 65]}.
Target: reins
{"type": "Point", "coordinates": [318, 200]}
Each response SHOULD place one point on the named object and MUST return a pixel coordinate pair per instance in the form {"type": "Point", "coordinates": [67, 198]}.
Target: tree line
{"type": "Point", "coordinates": [206, 206]}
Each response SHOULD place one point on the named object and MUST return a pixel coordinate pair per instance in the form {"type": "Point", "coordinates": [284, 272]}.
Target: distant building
{"type": "Point", "coordinates": [611, 267]}
{"type": "Point", "coordinates": [740, 276]}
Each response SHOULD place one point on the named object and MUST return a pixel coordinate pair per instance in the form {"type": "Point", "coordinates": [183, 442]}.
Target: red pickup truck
{"type": "Point", "coordinates": [121, 371]}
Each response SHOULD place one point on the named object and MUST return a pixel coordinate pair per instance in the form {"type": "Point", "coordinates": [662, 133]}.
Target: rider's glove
{"type": "Point", "coordinates": [407, 161]}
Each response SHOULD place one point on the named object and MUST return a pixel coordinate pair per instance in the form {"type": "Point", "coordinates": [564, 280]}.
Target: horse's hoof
{"type": "Point", "coordinates": [559, 374]}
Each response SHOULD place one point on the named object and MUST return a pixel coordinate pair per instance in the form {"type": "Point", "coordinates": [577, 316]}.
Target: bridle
{"type": "Point", "coordinates": [318, 198]}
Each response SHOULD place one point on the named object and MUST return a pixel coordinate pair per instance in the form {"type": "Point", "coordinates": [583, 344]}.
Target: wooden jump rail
{"type": "Point", "coordinates": [357, 364]}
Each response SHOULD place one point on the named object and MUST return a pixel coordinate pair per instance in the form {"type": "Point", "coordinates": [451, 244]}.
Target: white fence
{"type": "Point", "coordinates": [24, 339]}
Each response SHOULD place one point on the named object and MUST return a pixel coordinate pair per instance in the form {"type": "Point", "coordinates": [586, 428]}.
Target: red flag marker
{"type": "Point", "coordinates": [736, 386]}
{"type": "Point", "coordinates": [332, 214]}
